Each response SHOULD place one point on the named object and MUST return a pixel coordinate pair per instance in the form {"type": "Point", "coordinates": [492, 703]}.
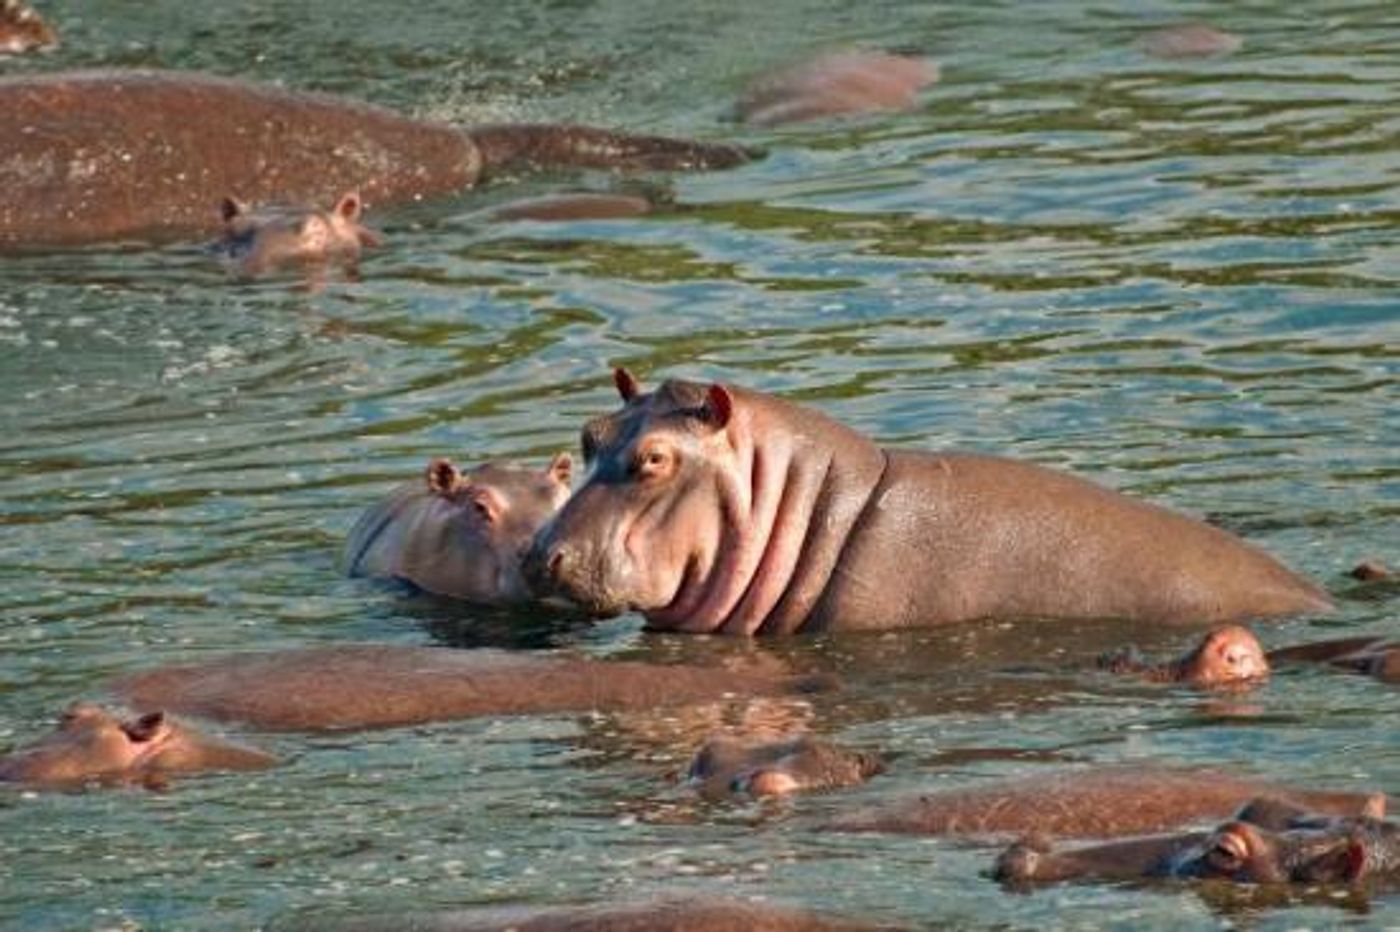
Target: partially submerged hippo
{"type": "Point", "coordinates": [460, 534]}
{"type": "Point", "coordinates": [1372, 655]}
{"type": "Point", "coordinates": [91, 745]}
{"type": "Point", "coordinates": [728, 765]}
{"type": "Point", "coordinates": [256, 241]}
{"type": "Point", "coordinates": [92, 156]}
{"type": "Point", "coordinates": [711, 508]}
{"type": "Point", "coordinates": [22, 30]}
{"type": "Point", "coordinates": [381, 686]}
{"type": "Point", "coordinates": [1102, 803]}
{"type": "Point", "coordinates": [1226, 657]}
{"type": "Point", "coordinates": [1307, 850]}
{"type": "Point", "coordinates": [836, 84]}
{"type": "Point", "coordinates": [1189, 40]}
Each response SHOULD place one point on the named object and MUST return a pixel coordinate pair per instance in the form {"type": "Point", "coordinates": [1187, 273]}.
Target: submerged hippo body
{"type": "Point", "coordinates": [804, 764]}
{"type": "Point", "coordinates": [1226, 657]}
{"type": "Point", "coordinates": [1374, 656]}
{"type": "Point", "coordinates": [1306, 850]}
{"type": "Point", "coordinates": [1102, 803]}
{"type": "Point", "coordinates": [92, 156]}
{"type": "Point", "coordinates": [840, 83]}
{"type": "Point", "coordinates": [93, 746]}
{"type": "Point", "coordinates": [460, 534]}
{"type": "Point", "coordinates": [715, 509]}
{"type": "Point", "coordinates": [381, 686]}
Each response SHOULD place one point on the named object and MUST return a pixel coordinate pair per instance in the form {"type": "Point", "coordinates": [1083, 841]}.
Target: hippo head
{"type": "Point", "coordinates": [92, 745]}
{"type": "Point", "coordinates": [1228, 656]}
{"type": "Point", "coordinates": [659, 506]}
{"type": "Point", "coordinates": [257, 241]}
{"type": "Point", "coordinates": [1338, 850]}
{"type": "Point", "coordinates": [730, 766]}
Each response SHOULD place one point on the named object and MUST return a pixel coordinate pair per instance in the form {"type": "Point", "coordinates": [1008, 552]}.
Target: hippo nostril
{"type": "Point", "coordinates": [555, 564]}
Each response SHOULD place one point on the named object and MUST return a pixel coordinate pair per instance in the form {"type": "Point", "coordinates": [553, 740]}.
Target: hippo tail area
{"type": "Point", "coordinates": [542, 145]}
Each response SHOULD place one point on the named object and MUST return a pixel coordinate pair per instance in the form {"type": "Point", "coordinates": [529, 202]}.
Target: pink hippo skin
{"type": "Point", "coordinates": [711, 508]}
{"type": "Point", "coordinates": [836, 84]}
{"type": "Point", "coordinates": [1303, 849]}
{"type": "Point", "coordinates": [1226, 657]}
{"type": "Point", "coordinates": [255, 242]}
{"type": "Point", "coordinates": [1102, 803]}
{"type": "Point", "coordinates": [460, 534]}
{"type": "Point", "coordinates": [93, 746]}
{"type": "Point", "coordinates": [93, 156]}
{"type": "Point", "coordinates": [380, 686]}
{"type": "Point", "coordinates": [689, 913]}
{"type": "Point", "coordinates": [22, 30]}
{"type": "Point", "coordinates": [805, 764]}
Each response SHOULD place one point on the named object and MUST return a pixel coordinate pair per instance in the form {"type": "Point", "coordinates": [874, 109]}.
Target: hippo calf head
{"type": "Point", "coordinates": [93, 746]}
{"type": "Point", "coordinates": [663, 509]}
{"type": "Point", "coordinates": [255, 242]}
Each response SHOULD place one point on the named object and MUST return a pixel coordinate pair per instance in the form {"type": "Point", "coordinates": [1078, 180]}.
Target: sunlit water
{"type": "Point", "coordinates": [1177, 278]}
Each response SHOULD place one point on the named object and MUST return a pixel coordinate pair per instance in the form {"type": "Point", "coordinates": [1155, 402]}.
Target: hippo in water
{"type": "Point", "coordinates": [711, 508]}
{"type": "Point", "coordinates": [1102, 803]}
{"type": "Point", "coordinates": [92, 745]}
{"type": "Point", "coordinates": [460, 534]}
{"type": "Point", "coordinates": [835, 84]}
{"type": "Point", "coordinates": [93, 156]}
{"type": "Point", "coordinates": [364, 686]}
{"type": "Point", "coordinates": [1374, 656]}
{"type": "Point", "coordinates": [1304, 849]}
{"type": "Point", "coordinates": [258, 241]}
{"type": "Point", "coordinates": [728, 765]}
{"type": "Point", "coordinates": [1189, 40]}
{"type": "Point", "coordinates": [1226, 657]}
{"type": "Point", "coordinates": [22, 30]}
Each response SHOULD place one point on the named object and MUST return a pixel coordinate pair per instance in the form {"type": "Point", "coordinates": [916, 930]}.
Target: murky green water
{"type": "Point", "coordinates": [1180, 279]}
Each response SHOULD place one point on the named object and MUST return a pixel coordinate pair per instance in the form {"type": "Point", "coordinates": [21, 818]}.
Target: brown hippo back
{"type": "Point", "coordinates": [713, 508]}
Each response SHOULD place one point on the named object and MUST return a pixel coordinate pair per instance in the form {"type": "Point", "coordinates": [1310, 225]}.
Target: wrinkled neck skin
{"type": "Point", "coordinates": [774, 467]}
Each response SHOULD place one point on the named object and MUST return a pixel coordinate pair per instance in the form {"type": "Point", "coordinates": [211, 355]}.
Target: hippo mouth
{"type": "Point", "coordinates": [682, 601]}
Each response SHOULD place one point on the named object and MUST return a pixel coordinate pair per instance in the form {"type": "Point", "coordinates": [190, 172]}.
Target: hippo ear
{"type": "Point", "coordinates": [561, 469]}
{"type": "Point", "coordinates": [349, 206]}
{"type": "Point", "coordinates": [144, 728]}
{"type": "Point", "coordinates": [627, 385]}
{"type": "Point", "coordinates": [487, 502]}
{"type": "Point", "coordinates": [442, 475]}
{"type": "Point", "coordinates": [719, 407]}
{"type": "Point", "coordinates": [231, 207]}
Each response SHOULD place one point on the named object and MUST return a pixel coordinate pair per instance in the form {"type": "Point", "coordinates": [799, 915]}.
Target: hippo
{"type": "Point", "coordinates": [715, 509]}
{"type": "Point", "coordinates": [840, 83]}
{"type": "Point", "coordinates": [1226, 657]}
{"type": "Point", "coordinates": [580, 205]}
{"type": "Point", "coordinates": [677, 913]}
{"type": "Point", "coordinates": [1103, 803]}
{"type": "Point", "coordinates": [92, 745]}
{"type": "Point", "coordinates": [728, 765]}
{"type": "Point", "coordinates": [364, 686]}
{"type": "Point", "coordinates": [1310, 850]}
{"type": "Point", "coordinates": [1370, 571]}
{"type": "Point", "coordinates": [258, 241]}
{"type": "Point", "coordinates": [22, 30]}
{"type": "Point", "coordinates": [1372, 655]}
{"type": "Point", "coordinates": [1189, 40]}
{"type": "Point", "coordinates": [460, 534]}
{"type": "Point", "coordinates": [115, 154]}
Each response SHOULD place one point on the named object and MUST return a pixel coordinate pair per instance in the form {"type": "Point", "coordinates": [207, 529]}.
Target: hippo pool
{"type": "Point", "coordinates": [1177, 277]}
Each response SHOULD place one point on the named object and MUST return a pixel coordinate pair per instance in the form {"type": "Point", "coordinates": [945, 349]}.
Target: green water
{"type": "Point", "coordinates": [1177, 278]}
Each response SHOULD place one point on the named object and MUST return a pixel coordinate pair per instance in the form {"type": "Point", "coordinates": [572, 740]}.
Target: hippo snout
{"type": "Point", "coordinates": [554, 567]}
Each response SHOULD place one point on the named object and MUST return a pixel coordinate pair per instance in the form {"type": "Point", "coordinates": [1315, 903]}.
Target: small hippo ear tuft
{"type": "Point", "coordinates": [627, 385]}
{"type": "Point", "coordinates": [349, 206]}
{"type": "Point", "coordinates": [144, 728]}
{"type": "Point", "coordinates": [442, 475]}
{"type": "Point", "coordinates": [231, 207]}
{"type": "Point", "coordinates": [561, 469]}
{"type": "Point", "coordinates": [719, 406]}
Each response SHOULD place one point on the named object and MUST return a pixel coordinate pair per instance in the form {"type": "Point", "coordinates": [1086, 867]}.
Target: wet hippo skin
{"type": "Point", "coordinates": [91, 745]}
{"type": "Point", "coordinates": [93, 156]}
{"type": "Point", "coordinates": [1100, 803]}
{"type": "Point", "coordinates": [711, 508]}
{"type": "Point", "coordinates": [381, 686]}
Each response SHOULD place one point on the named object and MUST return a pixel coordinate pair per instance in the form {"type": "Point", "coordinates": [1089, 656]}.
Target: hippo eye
{"type": "Point", "coordinates": [653, 462]}
{"type": "Point", "coordinates": [1227, 853]}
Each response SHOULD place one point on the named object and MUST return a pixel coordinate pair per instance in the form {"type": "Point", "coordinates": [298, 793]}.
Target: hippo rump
{"type": "Point", "coordinates": [93, 156]}
{"type": "Point", "coordinates": [711, 508]}
{"type": "Point", "coordinates": [363, 686]}
{"type": "Point", "coordinates": [1106, 802]}
{"type": "Point", "coordinates": [91, 745]}
{"type": "Point", "coordinates": [460, 534]}
{"type": "Point", "coordinates": [1266, 843]}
